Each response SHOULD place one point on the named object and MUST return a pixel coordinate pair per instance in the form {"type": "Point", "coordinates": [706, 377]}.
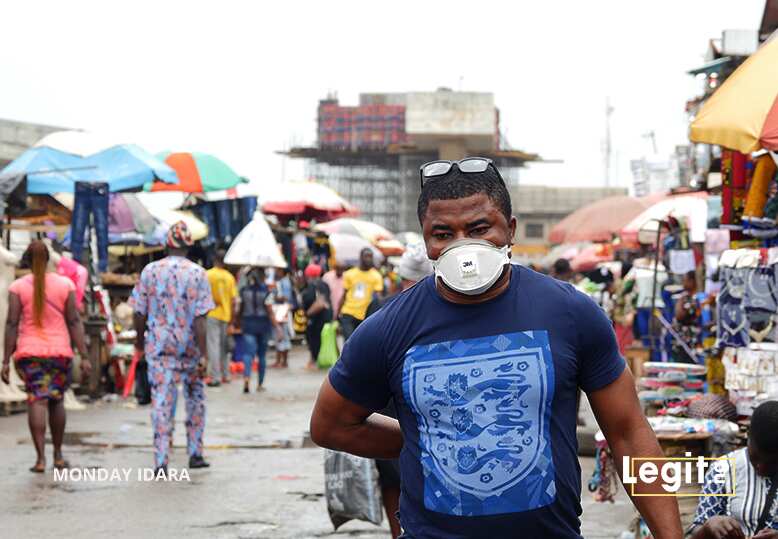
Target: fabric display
{"type": "Point", "coordinates": [690, 425]}
{"type": "Point", "coordinates": [91, 201]}
{"type": "Point", "coordinates": [764, 172]}
{"type": "Point", "coordinates": [664, 381]}
{"type": "Point", "coordinates": [761, 289]}
{"type": "Point", "coordinates": [732, 322]}
{"type": "Point", "coordinates": [733, 317]}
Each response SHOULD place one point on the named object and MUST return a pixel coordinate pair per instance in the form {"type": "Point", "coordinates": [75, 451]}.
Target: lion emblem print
{"type": "Point", "coordinates": [482, 407]}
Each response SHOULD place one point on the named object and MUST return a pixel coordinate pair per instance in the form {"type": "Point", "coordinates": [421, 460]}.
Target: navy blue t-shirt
{"type": "Point", "coordinates": [486, 398]}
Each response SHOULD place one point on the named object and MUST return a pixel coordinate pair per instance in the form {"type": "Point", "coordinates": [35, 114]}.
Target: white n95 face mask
{"type": "Point", "coordinates": [471, 266]}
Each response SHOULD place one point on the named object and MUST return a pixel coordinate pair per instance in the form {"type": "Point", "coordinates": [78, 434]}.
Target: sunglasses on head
{"type": "Point", "coordinates": [468, 165]}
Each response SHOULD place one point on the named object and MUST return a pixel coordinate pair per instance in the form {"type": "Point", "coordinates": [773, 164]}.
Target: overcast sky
{"type": "Point", "coordinates": [242, 79]}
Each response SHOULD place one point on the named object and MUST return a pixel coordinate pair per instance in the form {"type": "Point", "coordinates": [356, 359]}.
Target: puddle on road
{"type": "Point", "coordinates": [81, 439]}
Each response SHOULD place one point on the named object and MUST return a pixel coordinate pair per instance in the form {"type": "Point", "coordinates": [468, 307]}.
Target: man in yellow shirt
{"type": "Point", "coordinates": [224, 292]}
{"type": "Point", "coordinates": [360, 284]}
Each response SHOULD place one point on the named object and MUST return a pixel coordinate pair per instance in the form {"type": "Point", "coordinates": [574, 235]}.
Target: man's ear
{"type": "Point", "coordinates": [513, 224]}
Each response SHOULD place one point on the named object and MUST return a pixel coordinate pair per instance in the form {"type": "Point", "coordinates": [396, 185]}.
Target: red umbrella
{"type": "Point", "coordinates": [310, 200]}
{"type": "Point", "coordinates": [600, 220]}
{"type": "Point", "coordinates": [589, 258]}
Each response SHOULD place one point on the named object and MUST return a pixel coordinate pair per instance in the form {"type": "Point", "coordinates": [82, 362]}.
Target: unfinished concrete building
{"type": "Point", "coordinates": [370, 153]}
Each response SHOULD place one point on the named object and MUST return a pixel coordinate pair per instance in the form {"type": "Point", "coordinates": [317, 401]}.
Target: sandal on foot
{"type": "Point", "coordinates": [36, 469]}
{"type": "Point", "coordinates": [61, 464]}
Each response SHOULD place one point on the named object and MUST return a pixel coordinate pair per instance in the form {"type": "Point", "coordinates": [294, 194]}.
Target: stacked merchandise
{"type": "Point", "coordinates": [752, 375]}
{"type": "Point", "coordinates": [677, 382]}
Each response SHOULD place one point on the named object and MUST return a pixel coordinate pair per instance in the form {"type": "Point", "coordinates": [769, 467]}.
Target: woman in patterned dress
{"type": "Point", "coordinates": [42, 323]}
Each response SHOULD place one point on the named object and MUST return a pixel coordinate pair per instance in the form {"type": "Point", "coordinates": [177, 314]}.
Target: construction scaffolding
{"type": "Point", "coordinates": [371, 153]}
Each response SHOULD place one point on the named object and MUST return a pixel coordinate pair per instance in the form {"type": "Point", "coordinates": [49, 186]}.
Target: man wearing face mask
{"type": "Point", "coordinates": [483, 360]}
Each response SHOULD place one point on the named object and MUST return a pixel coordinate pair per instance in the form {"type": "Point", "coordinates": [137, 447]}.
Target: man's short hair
{"type": "Point", "coordinates": [456, 185]}
{"type": "Point", "coordinates": [764, 427]}
{"type": "Point", "coordinates": [219, 255]}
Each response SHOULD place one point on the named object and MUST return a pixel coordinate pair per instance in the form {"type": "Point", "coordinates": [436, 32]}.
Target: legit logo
{"type": "Point", "coordinates": [645, 474]}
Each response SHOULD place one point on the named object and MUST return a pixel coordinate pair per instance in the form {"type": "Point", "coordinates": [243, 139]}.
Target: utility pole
{"type": "Point", "coordinates": [607, 146]}
{"type": "Point", "coordinates": [651, 135]}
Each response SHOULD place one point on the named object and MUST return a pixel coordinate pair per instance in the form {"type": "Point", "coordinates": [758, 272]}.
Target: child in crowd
{"type": "Point", "coordinates": [282, 312]}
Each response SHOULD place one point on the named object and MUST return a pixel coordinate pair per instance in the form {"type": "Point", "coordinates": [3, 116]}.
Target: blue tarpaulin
{"type": "Point", "coordinates": [51, 171]}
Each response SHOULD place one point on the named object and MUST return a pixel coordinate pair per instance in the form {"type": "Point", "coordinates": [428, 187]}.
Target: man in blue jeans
{"type": "Point", "coordinates": [483, 360]}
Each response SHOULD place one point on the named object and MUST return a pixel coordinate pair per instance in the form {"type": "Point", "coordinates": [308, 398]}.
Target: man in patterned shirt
{"type": "Point", "coordinates": [750, 510]}
{"type": "Point", "coordinates": [171, 302]}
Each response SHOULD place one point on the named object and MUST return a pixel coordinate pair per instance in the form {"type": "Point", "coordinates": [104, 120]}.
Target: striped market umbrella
{"type": "Point", "coordinates": [691, 208]}
{"type": "Point", "coordinates": [310, 200]}
{"type": "Point", "coordinates": [197, 173]}
{"type": "Point", "coordinates": [598, 221]}
{"type": "Point", "coordinates": [742, 114]}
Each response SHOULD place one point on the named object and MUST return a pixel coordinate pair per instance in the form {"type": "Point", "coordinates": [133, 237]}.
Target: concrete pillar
{"type": "Point", "coordinates": [452, 150]}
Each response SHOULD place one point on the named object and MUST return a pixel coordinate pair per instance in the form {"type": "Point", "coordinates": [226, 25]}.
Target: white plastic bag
{"type": "Point", "coordinates": [351, 488]}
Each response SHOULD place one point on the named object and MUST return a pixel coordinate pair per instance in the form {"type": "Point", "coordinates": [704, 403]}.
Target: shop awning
{"type": "Point", "coordinates": [714, 66]}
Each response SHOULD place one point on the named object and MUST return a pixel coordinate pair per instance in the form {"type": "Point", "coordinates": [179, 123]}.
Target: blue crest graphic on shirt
{"type": "Point", "coordinates": [482, 407]}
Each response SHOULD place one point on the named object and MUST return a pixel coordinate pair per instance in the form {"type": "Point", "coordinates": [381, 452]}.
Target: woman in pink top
{"type": "Point", "coordinates": [42, 323]}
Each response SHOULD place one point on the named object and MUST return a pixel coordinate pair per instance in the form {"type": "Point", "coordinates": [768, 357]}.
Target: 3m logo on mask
{"type": "Point", "coordinates": [468, 265]}
{"type": "Point", "coordinates": [483, 410]}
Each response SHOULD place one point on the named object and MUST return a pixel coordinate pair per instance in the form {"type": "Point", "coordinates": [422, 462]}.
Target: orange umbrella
{"type": "Point", "coordinates": [743, 113]}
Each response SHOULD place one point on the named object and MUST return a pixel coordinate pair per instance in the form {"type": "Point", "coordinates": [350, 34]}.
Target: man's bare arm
{"type": "Point", "coordinates": [139, 321]}
{"type": "Point", "coordinates": [337, 423]}
{"type": "Point", "coordinates": [621, 419]}
{"type": "Point", "coordinates": [201, 334]}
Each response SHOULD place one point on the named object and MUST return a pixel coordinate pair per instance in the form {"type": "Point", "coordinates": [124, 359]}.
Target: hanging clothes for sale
{"type": "Point", "coordinates": [733, 326]}
{"type": "Point", "coordinates": [248, 206]}
{"type": "Point", "coordinates": [643, 276]}
{"type": "Point", "coordinates": [205, 212]}
{"type": "Point", "coordinates": [726, 187]}
{"type": "Point", "coordinates": [223, 217]}
{"type": "Point", "coordinates": [739, 181]}
{"type": "Point", "coordinates": [91, 201]}
{"type": "Point", "coordinates": [761, 289]}
{"type": "Point", "coordinates": [681, 261]}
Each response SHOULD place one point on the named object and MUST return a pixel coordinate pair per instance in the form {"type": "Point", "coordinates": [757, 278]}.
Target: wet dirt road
{"type": "Point", "coordinates": [264, 480]}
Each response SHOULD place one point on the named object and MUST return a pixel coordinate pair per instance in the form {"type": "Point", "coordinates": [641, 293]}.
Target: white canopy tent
{"type": "Point", "coordinates": [255, 245]}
